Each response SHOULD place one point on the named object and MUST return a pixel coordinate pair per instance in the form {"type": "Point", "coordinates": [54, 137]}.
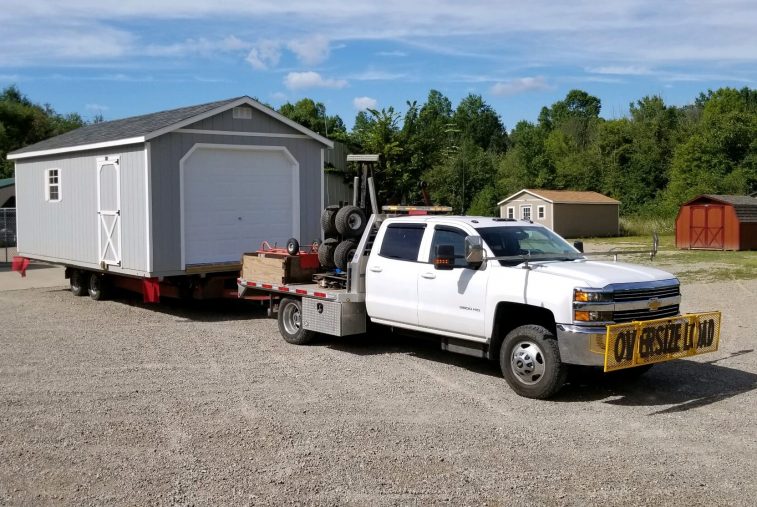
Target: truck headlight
{"type": "Point", "coordinates": [591, 296]}
{"type": "Point", "coordinates": [591, 316]}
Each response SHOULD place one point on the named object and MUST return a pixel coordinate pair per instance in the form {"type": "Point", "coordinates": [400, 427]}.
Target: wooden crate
{"type": "Point", "coordinates": [276, 268]}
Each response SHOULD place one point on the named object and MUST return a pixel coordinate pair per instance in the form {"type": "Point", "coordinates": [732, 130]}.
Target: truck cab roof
{"type": "Point", "coordinates": [471, 221]}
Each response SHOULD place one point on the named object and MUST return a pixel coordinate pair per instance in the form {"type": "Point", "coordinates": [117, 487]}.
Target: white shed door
{"type": "Point", "coordinates": [236, 198]}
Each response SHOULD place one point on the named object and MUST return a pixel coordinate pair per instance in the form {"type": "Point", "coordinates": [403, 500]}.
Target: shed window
{"type": "Point", "coordinates": [511, 212]}
{"type": "Point", "coordinates": [242, 113]}
{"type": "Point", "coordinates": [52, 185]}
{"type": "Point", "coordinates": [540, 212]}
{"type": "Point", "coordinates": [525, 212]}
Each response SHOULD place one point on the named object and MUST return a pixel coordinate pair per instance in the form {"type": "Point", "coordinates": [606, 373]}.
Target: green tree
{"type": "Point", "coordinates": [479, 122]}
{"type": "Point", "coordinates": [312, 115]}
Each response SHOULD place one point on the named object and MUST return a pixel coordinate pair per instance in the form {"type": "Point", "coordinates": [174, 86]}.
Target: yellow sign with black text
{"type": "Point", "coordinates": [654, 341]}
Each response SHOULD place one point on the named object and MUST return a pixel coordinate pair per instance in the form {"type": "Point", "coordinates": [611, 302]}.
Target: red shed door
{"type": "Point", "coordinates": [707, 226]}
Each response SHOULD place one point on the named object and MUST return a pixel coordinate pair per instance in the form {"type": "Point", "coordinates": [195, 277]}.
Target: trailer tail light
{"type": "Point", "coordinates": [319, 294]}
{"type": "Point", "coordinates": [267, 286]}
{"type": "Point", "coordinates": [284, 289]}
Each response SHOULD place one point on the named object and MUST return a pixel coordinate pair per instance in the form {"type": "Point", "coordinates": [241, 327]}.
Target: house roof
{"type": "Point", "coordinates": [744, 205]}
{"type": "Point", "coordinates": [564, 197]}
{"type": "Point", "coordinates": [137, 129]}
{"type": "Point", "coordinates": [7, 182]}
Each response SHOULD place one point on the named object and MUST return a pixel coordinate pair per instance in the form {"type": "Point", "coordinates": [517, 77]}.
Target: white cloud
{"type": "Point", "coordinates": [201, 46]}
{"type": "Point", "coordinates": [624, 70]}
{"type": "Point", "coordinates": [363, 103]}
{"type": "Point", "coordinates": [265, 54]}
{"type": "Point", "coordinates": [377, 75]}
{"type": "Point", "coordinates": [97, 108]}
{"type": "Point", "coordinates": [397, 54]}
{"type": "Point", "coordinates": [279, 96]}
{"type": "Point", "coordinates": [520, 85]}
{"type": "Point", "coordinates": [312, 50]}
{"type": "Point", "coordinates": [302, 80]}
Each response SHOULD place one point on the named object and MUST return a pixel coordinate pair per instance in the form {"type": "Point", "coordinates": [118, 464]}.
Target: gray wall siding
{"type": "Point", "coordinates": [67, 231]}
{"type": "Point", "coordinates": [260, 123]}
{"type": "Point", "coordinates": [167, 151]}
{"type": "Point", "coordinates": [534, 202]}
{"type": "Point", "coordinates": [336, 190]}
{"type": "Point", "coordinates": [586, 220]}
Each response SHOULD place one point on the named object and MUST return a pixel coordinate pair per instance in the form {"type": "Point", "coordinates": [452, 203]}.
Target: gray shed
{"type": "Point", "coordinates": [163, 193]}
{"type": "Point", "coordinates": [571, 214]}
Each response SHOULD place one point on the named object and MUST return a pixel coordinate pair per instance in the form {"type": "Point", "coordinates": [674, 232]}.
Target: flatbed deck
{"type": "Point", "coordinates": [312, 290]}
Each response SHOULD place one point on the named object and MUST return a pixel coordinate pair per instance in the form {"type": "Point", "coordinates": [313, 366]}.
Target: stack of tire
{"type": "Point", "coordinates": [342, 228]}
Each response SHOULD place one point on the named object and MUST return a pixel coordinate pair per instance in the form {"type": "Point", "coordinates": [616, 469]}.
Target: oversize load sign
{"type": "Point", "coordinates": [654, 341]}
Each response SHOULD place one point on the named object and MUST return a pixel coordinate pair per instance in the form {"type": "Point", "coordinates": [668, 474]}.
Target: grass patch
{"type": "Point", "coordinates": [645, 226]}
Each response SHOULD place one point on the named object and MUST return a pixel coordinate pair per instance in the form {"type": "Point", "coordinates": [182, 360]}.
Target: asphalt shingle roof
{"type": "Point", "coordinates": [745, 206]}
{"type": "Point", "coordinates": [125, 128]}
{"type": "Point", "coordinates": [572, 196]}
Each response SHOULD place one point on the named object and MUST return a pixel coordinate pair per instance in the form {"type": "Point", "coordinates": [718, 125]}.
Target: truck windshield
{"type": "Point", "coordinates": [514, 241]}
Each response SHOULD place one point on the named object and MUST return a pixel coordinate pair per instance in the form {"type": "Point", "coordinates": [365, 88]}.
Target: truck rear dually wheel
{"type": "Point", "coordinates": [290, 323]}
{"type": "Point", "coordinates": [530, 362]}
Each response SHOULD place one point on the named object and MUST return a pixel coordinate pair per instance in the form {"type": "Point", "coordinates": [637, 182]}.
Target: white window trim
{"type": "Point", "coordinates": [541, 212]}
{"type": "Point", "coordinates": [510, 212]}
{"type": "Point", "coordinates": [530, 214]}
{"type": "Point", "coordinates": [48, 185]}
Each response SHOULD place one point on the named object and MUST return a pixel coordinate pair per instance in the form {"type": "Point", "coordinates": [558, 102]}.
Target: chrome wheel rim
{"type": "Point", "coordinates": [354, 221]}
{"type": "Point", "coordinates": [527, 362]}
{"type": "Point", "coordinates": [291, 319]}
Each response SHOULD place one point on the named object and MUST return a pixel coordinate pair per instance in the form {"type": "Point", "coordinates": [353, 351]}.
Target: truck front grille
{"type": "Point", "coordinates": [645, 314]}
{"type": "Point", "coordinates": [626, 296]}
{"type": "Point", "coordinates": [641, 294]}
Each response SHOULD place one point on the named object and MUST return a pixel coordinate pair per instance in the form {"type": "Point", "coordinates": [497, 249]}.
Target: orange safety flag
{"type": "Point", "coordinates": [20, 264]}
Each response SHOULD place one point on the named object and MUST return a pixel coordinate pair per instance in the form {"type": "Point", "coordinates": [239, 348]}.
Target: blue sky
{"type": "Point", "coordinates": [138, 56]}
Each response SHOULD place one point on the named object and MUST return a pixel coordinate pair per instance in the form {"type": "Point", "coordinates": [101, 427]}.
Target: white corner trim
{"type": "Point", "coordinates": [148, 206]}
{"type": "Point", "coordinates": [241, 134]}
{"type": "Point", "coordinates": [83, 147]}
{"type": "Point", "coordinates": [239, 147]}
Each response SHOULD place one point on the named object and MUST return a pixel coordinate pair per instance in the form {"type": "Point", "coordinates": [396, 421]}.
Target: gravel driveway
{"type": "Point", "coordinates": [117, 402]}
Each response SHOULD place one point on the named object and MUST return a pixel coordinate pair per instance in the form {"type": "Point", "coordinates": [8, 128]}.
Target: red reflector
{"type": "Point", "coordinates": [252, 284]}
{"type": "Point", "coordinates": [284, 289]}
{"type": "Point", "coordinates": [301, 291]}
{"type": "Point", "coordinates": [267, 286]}
{"type": "Point", "coordinates": [319, 294]}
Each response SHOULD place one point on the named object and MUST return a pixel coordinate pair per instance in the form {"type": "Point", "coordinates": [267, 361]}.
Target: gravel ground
{"type": "Point", "coordinates": [116, 402]}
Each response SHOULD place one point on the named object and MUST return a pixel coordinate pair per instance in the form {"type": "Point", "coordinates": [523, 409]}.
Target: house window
{"type": "Point", "coordinates": [540, 212]}
{"type": "Point", "coordinates": [242, 113]}
{"type": "Point", "coordinates": [525, 212]}
{"type": "Point", "coordinates": [511, 212]}
{"type": "Point", "coordinates": [52, 185]}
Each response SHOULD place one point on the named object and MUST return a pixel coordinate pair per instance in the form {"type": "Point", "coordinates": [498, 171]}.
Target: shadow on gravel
{"type": "Point", "coordinates": [683, 384]}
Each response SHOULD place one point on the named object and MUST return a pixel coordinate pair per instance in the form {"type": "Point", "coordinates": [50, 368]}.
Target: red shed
{"type": "Point", "coordinates": [718, 222]}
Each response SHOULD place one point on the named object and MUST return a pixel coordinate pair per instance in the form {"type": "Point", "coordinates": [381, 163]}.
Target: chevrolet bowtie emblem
{"type": "Point", "coordinates": [654, 304]}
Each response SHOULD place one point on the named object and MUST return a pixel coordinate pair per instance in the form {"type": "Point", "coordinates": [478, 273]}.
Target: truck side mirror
{"type": "Point", "coordinates": [579, 245]}
{"type": "Point", "coordinates": [445, 257]}
{"type": "Point", "coordinates": [474, 250]}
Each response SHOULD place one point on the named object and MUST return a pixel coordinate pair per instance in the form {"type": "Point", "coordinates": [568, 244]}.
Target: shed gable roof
{"type": "Point", "coordinates": [564, 197]}
{"type": "Point", "coordinates": [744, 205]}
{"type": "Point", "coordinates": [137, 129]}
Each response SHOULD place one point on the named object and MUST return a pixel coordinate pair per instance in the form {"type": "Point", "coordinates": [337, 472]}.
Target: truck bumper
{"type": "Point", "coordinates": [575, 343]}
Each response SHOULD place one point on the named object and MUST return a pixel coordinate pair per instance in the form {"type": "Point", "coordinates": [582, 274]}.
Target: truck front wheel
{"type": "Point", "coordinates": [290, 323]}
{"type": "Point", "coordinates": [530, 362]}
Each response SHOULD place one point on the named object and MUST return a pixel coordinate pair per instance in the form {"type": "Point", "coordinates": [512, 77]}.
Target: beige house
{"type": "Point", "coordinates": [569, 213]}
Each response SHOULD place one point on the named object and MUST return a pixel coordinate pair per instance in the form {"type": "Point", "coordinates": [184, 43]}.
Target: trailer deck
{"type": "Point", "coordinates": [311, 290]}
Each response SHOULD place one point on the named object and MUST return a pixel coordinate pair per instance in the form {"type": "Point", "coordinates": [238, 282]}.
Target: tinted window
{"type": "Point", "coordinates": [516, 240]}
{"type": "Point", "coordinates": [450, 236]}
{"type": "Point", "coordinates": [402, 242]}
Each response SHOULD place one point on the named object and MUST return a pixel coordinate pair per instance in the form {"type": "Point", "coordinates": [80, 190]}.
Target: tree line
{"type": "Point", "coordinates": [652, 159]}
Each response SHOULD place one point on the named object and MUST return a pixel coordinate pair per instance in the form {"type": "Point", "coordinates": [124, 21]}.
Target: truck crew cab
{"type": "Point", "coordinates": [501, 289]}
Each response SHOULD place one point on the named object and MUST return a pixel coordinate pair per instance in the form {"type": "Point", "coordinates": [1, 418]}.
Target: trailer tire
{"type": "Point", "coordinates": [77, 281]}
{"type": "Point", "coordinates": [290, 323]}
{"type": "Point", "coordinates": [328, 221]}
{"type": "Point", "coordinates": [350, 222]}
{"type": "Point", "coordinates": [96, 287]}
{"type": "Point", "coordinates": [344, 252]}
{"type": "Point", "coordinates": [293, 246]}
{"type": "Point", "coordinates": [530, 362]}
{"type": "Point", "coordinates": [326, 253]}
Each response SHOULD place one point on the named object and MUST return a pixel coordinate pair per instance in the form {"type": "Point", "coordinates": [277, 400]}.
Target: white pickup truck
{"type": "Point", "coordinates": [500, 289]}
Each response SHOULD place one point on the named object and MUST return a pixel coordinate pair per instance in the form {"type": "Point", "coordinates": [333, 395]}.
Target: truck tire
{"type": "Point", "coordinates": [344, 252]}
{"type": "Point", "coordinates": [78, 280]}
{"type": "Point", "coordinates": [328, 221]}
{"type": "Point", "coordinates": [530, 362]}
{"type": "Point", "coordinates": [350, 222]}
{"type": "Point", "coordinates": [96, 287]}
{"type": "Point", "coordinates": [293, 246]}
{"type": "Point", "coordinates": [290, 323]}
{"type": "Point", "coordinates": [326, 253]}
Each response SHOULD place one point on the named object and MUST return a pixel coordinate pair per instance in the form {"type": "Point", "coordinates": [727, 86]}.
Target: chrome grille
{"type": "Point", "coordinates": [638, 294]}
{"type": "Point", "coordinates": [645, 314]}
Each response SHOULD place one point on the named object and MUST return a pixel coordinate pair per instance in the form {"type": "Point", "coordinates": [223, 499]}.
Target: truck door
{"type": "Point", "coordinates": [391, 277]}
{"type": "Point", "coordinates": [451, 300]}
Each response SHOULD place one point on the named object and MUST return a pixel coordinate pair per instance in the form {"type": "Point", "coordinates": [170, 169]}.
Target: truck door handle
{"type": "Point", "coordinates": [430, 276]}
{"type": "Point", "coordinates": [376, 269]}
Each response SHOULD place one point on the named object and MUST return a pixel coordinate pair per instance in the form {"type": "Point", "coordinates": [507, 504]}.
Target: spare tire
{"type": "Point", "coordinates": [344, 253]}
{"type": "Point", "coordinates": [293, 246]}
{"type": "Point", "coordinates": [326, 253]}
{"type": "Point", "coordinates": [350, 222]}
{"type": "Point", "coordinates": [328, 221]}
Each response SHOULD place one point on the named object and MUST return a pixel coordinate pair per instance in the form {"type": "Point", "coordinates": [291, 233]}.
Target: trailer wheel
{"type": "Point", "coordinates": [326, 253]}
{"type": "Point", "coordinates": [293, 246]}
{"type": "Point", "coordinates": [530, 362]}
{"type": "Point", "coordinates": [350, 221]}
{"type": "Point", "coordinates": [76, 280]}
{"type": "Point", "coordinates": [96, 287]}
{"type": "Point", "coordinates": [344, 252]}
{"type": "Point", "coordinates": [328, 221]}
{"type": "Point", "coordinates": [290, 323]}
